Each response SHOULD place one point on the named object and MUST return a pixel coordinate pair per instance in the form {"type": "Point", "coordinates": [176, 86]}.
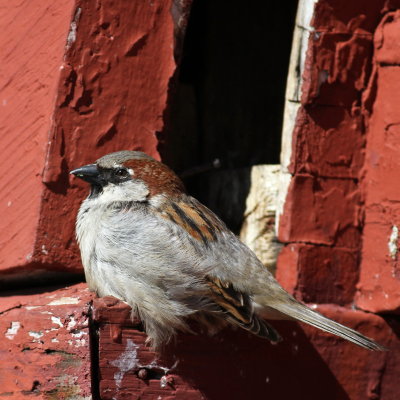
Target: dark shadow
{"type": "Point", "coordinates": [94, 356]}
{"type": "Point", "coordinates": [326, 117]}
{"type": "Point", "coordinates": [236, 365]}
{"type": "Point", "coordinates": [36, 281]}
{"type": "Point", "coordinates": [394, 322]}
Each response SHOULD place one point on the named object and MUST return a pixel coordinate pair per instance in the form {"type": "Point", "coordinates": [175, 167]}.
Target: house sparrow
{"type": "Point", "coordinates": [148, 243]}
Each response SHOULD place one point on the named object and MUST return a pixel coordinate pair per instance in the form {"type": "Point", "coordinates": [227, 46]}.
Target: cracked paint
{"type": "Point", "coordinates": [80, 342]}
{"type": "Point", "coordinates": [44, 251]}
{"type": "Point", "coordinates": [13, 330]}
{"type": "Point", "coordinates": [74, 26]}
{"type": "Point", "coordinates": [36, 336]}
{"type": "Point", "coordinates": [71, 324]}
{"type": "Point", "coordinates": [57, 321]}
{"type": "Point", "coordinates": [78, 334]}
{"type": "Point", "coordinates": [125, 362]}
{"type": "Point", "coordinates": [392, 245]}
{"type": "Point", "coordinates": [35, 345]}
{"type": "Point", "coordinates": [64, 301]}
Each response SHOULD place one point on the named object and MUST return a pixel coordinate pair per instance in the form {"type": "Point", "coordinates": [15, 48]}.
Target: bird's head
{"type": "Point", "coordinates": [129, 176]}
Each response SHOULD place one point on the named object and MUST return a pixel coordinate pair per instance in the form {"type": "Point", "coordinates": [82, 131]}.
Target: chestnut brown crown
{"type": "Point", "coordinates": [125, 165]}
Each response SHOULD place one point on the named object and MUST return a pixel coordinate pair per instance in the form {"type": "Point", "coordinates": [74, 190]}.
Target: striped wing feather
{"type": "Point", "coordinates": [238, 309]}
{"type": "Point", "coordinates": [203, 225]}
{"type": "Point", "coordinates": [199, 222]}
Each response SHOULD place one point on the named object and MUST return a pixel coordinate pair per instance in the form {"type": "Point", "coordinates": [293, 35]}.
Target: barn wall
{"type": "Point", "coordinates": [81, 79]}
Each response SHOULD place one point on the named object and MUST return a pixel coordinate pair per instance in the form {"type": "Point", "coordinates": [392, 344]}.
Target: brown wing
{"type": "Point", "coordinates": [203, 225]}
{"type": "Point", "coordinates": [238, 309]}
{"type": "Point", "coordinates": [200, 222]}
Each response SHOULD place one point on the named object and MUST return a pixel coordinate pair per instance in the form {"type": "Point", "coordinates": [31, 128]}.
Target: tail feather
{"type": "Point", "coordinates": [261, 328]}
{"type": "Point", "coordinates": [302, 313]}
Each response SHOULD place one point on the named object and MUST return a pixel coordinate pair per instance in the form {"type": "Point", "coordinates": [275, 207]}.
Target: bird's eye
{"type": "Point", "coordinates": [121, 173]}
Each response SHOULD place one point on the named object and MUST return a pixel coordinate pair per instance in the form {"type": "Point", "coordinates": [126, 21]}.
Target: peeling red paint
{"type": "Point", "coordinates": [45, 349]}
{"type": "Point", "coordinates": [112, 95]}
{"type": "Point", "coordinates": [117, 61]}
{"type": "Point", "coordinates": [348, 17]}
{"type": "Point", "coordinates": [321, 211]}
{"type": "Point", "coordinates": [337, 68]}
{"type": "Point", "coordinates": [114, 76]}
{"type": "Point", "coordinates": [343, 194]}
{"type": "Point", "coordinates": [237, 365]}
{"type": "Point", "coordinates": [322, 274]}
{"type": "Point", "coordinates": [28, 81]}
{"type": "Point", "coordinates": [379, 286]}
{"type": "Point", "coordinates": [341, 214]}
{"type": "Point", "coordinates": [329, 142]}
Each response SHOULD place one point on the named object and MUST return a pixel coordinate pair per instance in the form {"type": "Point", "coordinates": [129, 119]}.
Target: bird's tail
{"type": "Point", "coordinates": [296, 310]}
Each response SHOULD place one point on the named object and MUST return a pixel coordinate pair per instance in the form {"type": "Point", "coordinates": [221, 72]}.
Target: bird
{"type": "Point", "coordinates": [147, 242]}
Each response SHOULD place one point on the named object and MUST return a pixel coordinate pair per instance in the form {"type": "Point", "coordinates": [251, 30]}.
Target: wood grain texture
{"type": "Point", "coordinates": [32, 48]}
{"type": "Point", "coordinates": [236, 365]}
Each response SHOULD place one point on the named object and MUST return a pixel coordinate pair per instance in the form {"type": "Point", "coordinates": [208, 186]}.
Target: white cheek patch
{"type": "Point", "coordinates": [132, 190]}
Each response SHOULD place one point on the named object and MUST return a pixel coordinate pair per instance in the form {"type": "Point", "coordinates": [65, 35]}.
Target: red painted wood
{"type": "Point", "coordinates": [379, 286]}
{"type": "Point", "coordinates": [322, 274]}
{"type": "Point", "coordinates": [32, 48]}
{"type": "Point", "coordinates": [114, 68]}
{"type": "Point", "coordinates": [114, 61]}
{"type": "Point", "coordinates": [233, 364]}
{"type": "Point", "coordinates": [322, 211]}
{"type": "Point", "coordinates": [45, 344]}
{"type": "Point", "coordinates": [342, 201]}
{"type": "Point", "coordinates": [338, 197]}
{"type": "Point", "coordinates": [329, 142]}
{"type": "Point", "coordinates": [112, 96]}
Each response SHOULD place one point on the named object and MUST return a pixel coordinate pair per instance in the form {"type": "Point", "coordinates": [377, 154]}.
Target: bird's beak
{"type": "Point", "coordinates": [89, 173]}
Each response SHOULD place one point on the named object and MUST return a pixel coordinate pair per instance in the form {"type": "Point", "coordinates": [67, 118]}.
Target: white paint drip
{"type": "Point", "coordinates": [36, 336]}
{"type": "Point", "coordinates": [125, 362]}
{"type": "Point", "coordinates": [80, 342]}
{"type": "Point", "coordinates": [57, 321]}
{"type": "Point", "coordinates": [322, 78]}
{"type": "Point", "coordinates": [13, 330]}
{"type": "Point", "coordinates": [71, 324]}
{"type": "Point", "coordinates": [51, 330]}
{"type": "Point", "coordinates": [392, 245]}
{"type": "Point", "coordinates": [163, 382]}
{"type": "Point", "coordinates": [64, 300]}
{"type": "Point", "coordinates": [73, 28]}
{"type": "Point", "coordinates": [78, 334]}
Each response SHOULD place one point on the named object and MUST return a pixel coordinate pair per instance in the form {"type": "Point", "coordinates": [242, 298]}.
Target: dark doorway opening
{"type": "Point", "coordinates": [228, 98]}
